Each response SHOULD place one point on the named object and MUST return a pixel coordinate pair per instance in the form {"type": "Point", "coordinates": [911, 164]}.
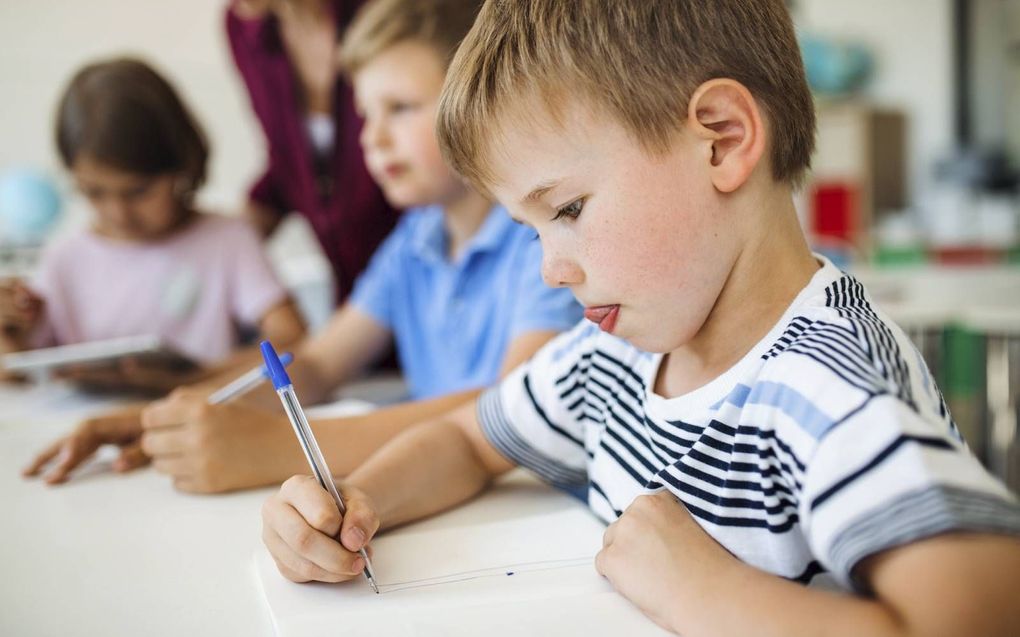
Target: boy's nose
{"type": "Point", "coordinates": [559, 271]}
{"type": "Point", "coordinates": [373, 135]}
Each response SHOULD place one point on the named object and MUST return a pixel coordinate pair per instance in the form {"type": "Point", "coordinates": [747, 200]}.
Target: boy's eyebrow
{"type": "Point", "coordinates": [539, 191]}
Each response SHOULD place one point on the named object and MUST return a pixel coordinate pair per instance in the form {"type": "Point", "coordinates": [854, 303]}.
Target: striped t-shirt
{"type": "Point", "coordinates": [826, 443]}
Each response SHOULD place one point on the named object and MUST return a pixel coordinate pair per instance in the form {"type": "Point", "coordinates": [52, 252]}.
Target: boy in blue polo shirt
{"type": "Point", "coordinates": [769, 451]}
{"type": "Point", "coordinates": [457, 284]}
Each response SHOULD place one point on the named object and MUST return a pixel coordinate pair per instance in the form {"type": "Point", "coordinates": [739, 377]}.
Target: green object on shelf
{"type": "Point", "coordinates": [963, 371]}
{"type": "Point", "coordinates": [891, 256]}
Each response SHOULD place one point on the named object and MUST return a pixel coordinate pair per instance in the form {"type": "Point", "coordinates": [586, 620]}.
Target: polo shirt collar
{"type": "Point", "coordinates": [430, 242]}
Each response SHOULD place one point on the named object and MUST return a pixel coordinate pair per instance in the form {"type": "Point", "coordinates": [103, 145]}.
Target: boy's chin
{"type": "Point", "coordinates": [403, 199]}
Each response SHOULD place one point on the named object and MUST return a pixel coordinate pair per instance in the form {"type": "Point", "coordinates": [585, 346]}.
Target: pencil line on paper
{"type": "Point", "coordinates": [494, 571]}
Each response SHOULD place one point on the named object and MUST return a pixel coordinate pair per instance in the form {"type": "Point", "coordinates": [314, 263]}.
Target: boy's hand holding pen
{"type": "Point", "coordinates": [300, 527]}
{"type": "Point", "coordinates": [355, 526]}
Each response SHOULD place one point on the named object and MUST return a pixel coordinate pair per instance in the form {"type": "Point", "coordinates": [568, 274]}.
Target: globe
{"type": "Point", "coordinates": [29, 205]}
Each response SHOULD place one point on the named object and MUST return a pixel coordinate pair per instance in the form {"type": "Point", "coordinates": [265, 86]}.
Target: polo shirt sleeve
{"type": "Point", "coordinates": [891, 473]}
{"type": "Point", "coordinates": [376, 289]}
{"type": "Point", "coordinates": [538, 306]}
{"type": "Point", "coordinates": [527, 417]}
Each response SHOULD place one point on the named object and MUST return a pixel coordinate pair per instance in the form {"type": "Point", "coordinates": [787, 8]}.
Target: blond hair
{"type": "Point", "coordinates": [638, 61]}
{"type": "Point", "coordinates": [381, 24]}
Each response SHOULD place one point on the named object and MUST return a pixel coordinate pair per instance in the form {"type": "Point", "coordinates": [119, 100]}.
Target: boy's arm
{"type": "Point", "coordinates": [282, 324]}
{"type": "Point", "coordinates": [324, 361]}
{"type": "Point", "coordinates": [430, 467]}
{"type": "Point", "coordinates": [660, 558]}
{"type": "Point", "coordinates": [426, 469]}
{"type": "Point", "coordinates": [216, 448]}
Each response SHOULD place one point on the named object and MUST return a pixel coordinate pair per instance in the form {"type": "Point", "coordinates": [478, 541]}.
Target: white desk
{"type": "Point", "coordinates": [107, 554]}
{"type": "Point", "coordinates": [117, 555]}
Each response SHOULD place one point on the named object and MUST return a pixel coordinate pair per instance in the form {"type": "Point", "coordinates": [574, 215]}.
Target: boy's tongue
{"type": "Point", "coordinates": [604, 316]}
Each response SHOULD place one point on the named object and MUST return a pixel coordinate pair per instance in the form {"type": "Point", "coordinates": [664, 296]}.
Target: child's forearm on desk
{"type": "Point", "coordinates": [349, 442]}
{"type": "Point", "coordinates": [427, 469]}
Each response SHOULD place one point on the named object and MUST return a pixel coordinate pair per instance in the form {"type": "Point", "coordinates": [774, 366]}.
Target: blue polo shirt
{"type": "Point", "coordinates": [453, 320]}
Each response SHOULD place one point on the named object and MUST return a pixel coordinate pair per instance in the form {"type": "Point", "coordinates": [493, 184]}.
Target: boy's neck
{"type": "Point", "coordinates": [463, 215]}
{"type": "Point", "coordinates": [774, 265]}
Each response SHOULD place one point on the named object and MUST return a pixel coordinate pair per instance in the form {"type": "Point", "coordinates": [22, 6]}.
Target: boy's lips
{"type": "Point", "coordinates": [604, 316]}
{"type": "Point", "coordinates": [394, 170]}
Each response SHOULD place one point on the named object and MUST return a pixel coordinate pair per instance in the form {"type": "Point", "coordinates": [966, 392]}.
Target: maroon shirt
{"type": "Point", "coordinates": [336, 194]}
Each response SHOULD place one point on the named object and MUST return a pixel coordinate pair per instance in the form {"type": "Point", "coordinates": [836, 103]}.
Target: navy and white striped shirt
{"type": "Point", "coordinates": [826, 443]}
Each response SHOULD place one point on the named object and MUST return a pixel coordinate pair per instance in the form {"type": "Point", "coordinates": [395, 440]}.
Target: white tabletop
{"type": "Point", "coordinates": [109, 554]}
{"type": "Point", "coordinates": [117, 555]}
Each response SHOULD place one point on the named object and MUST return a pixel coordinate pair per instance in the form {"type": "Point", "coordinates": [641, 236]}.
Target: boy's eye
{"type": "Point", "coordinates": [571, 210]}
{"type": "Point", "coordinates": [401, 107]}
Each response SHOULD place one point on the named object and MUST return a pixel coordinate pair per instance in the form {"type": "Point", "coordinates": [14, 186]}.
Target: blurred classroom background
{"type": "Point", "coordinates": [914, 189]}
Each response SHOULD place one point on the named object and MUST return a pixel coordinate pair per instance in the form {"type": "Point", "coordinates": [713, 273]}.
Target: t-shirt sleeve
{"type": "Point", "coordinates": [527, 417]}
{"type": "Point", "coordinates": [890, 473]}
{"type": "Point", "coordinates": [255, 288]}
{"type": "Point", "coordinates": [376, 288]}
{"type": "Point", "coordinates": [538, 306]}
{"type": "Point", "coordinates": [46, 284]}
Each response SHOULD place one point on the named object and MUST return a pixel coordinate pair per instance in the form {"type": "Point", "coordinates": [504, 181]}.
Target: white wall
{"type": "Point", "coordinates": [42, 43]}
{"type": "Point", "coordinates": [912, 44]}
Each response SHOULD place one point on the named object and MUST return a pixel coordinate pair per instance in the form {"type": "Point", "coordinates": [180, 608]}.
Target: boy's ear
{"type": "Point", "coordinates": [724, 114]}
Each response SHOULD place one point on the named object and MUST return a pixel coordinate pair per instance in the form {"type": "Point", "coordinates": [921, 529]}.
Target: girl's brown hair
{"type": "Point", "coordinates": [123, 113]}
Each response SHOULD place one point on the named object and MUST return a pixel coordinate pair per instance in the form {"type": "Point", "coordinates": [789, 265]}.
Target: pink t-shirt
{"type": "Point", "coordinates": [194, 289]}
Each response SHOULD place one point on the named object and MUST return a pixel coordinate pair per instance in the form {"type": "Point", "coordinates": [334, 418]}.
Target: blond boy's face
{"type": "Point", "coordinates": [397, 93]}
{"type": "Point", "coordinates": [643, 241]}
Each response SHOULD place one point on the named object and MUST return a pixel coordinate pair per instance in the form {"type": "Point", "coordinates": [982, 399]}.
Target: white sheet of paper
{"type": "Point", "coordinates": [452, 578]}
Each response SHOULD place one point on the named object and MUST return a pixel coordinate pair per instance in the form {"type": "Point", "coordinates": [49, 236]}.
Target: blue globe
{"type": "Point", "coordinates": [29, 205]}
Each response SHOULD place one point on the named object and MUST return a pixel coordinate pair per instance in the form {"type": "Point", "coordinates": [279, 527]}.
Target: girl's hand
{"type": "Point", "coordinates": [300, 527]}
{"type": "Point", "coordinates": [20, 313]}
{"type": "Point", "coordinates": [122, 428]}
{"type": "Point", "coordinates": [655, 553]}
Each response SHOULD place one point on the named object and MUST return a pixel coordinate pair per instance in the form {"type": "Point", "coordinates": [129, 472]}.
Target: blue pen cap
{"type": "Point", "coordinates": [277, 373]}
{"type": "Point", "coordinates": [286, 359]}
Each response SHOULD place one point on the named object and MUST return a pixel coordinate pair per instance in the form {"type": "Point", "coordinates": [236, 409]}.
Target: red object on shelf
{"type": "Point", "coordinates": [835, 211]}
{"type": "Point", "coordinates": [966, 255]}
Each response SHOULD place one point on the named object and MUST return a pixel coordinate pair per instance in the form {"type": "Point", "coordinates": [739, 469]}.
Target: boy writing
{"type": "Point", "coordinates": [782, 438]}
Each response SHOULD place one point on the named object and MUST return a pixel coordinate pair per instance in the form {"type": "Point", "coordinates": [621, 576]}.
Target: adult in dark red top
{"type": "Point", "coordinates": [286, 53]}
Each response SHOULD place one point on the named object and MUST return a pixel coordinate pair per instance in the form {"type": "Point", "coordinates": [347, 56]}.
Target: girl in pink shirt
{"type": "Point", "coordinates": [149, 263]}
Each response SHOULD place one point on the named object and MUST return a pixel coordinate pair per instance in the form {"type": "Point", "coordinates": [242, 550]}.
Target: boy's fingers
{"type": "Point", "coordinates": [131, 457]}
{"type": "Point", "coordinates": [71, 455]}
{"type": "Point", "coordinates": [293, 566]}
{"type": "Point", "coordinates": [312, 545]}
{"type": "Point", "coordinates": [360, 523]}
{"type": "Point", "coordinates": [42, 459]}
{"type": "Point", "coordinates": [163, 442]}
{"type": "Point", "coordinates": [174, 466]}
{"type": "Point", "coordinates": [176, 410]}
{"type": "Point", "coordinates": [313, 503]}
{"type": "Point", "coordinates": [607, 537]}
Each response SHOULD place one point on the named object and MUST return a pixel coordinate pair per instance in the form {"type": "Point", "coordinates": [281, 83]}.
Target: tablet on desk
{"type": "Point", "coordinates": [147, 351]}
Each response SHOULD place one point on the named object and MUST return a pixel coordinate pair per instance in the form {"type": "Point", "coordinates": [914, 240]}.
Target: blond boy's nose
{"type": "Point", "coordinates": [558, 272]}
{"type": "Point", "coordinates": [373, 135]}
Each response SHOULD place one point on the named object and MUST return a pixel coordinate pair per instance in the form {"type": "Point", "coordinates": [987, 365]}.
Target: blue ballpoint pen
{"type": "Point", "coordinates": [285, 390]}
{"type": "Point", "coordinates": [245, 382]}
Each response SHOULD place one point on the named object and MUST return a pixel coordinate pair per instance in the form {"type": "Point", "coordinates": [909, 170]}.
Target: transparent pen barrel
{"type": "Point", "coordinates": [309, 445]}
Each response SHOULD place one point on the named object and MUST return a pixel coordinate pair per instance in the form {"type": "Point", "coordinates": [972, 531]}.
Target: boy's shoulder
{"type": "Point", "coordinates": [837, 352]}
{"type": "Point", "coordinates": [836, 326]}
